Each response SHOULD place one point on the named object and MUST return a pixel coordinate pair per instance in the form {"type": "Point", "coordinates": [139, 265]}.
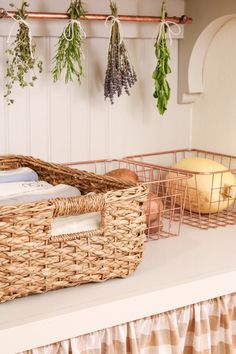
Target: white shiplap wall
{"type": "Point", "coordinates": [61, 122]}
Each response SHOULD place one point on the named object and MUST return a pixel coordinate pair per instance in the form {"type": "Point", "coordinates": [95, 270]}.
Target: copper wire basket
{"type": "Point", "coordinates": [219, 192]}
{"type": "Point", "coordinates": [163, 213]}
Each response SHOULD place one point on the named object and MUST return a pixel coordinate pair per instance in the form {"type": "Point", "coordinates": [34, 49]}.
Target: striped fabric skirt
{"type": "Point", "coordinates": [208, 327]}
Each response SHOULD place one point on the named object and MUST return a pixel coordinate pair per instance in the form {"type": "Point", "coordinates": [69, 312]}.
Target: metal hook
{"type": "Point", "coordinates": [183, 19]}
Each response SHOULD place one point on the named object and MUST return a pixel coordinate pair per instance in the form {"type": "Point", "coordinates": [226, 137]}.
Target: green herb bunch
{"type": "Point", "coordinates": [69, 53]}
{"type": "Point", "coordinates": [21, 61]}
{"type": "Point", "coordinates": [162, 87]}
{"type": "Point", "coordinates": [120, 73]}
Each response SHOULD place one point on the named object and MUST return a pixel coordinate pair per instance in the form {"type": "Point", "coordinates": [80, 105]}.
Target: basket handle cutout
{"type": "Point", "coordinates": [87, 207]}
{"type": "Point", "coordinates": [67, 230]}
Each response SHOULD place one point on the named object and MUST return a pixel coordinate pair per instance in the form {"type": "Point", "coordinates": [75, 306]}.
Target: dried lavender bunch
{"type": "Point", "coordinates": [120, 72]}
{"type": "Point", "coordinates": [69, 53]}
{"type": "Point", "coordinates": [21, 62]}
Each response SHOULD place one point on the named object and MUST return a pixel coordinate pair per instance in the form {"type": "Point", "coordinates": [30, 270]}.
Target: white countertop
{"type": "Point", "coordinates": [196, 266]}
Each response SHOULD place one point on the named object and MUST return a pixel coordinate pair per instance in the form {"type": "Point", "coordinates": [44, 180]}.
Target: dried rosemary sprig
{"type": "Point", "coordinates": [21, 61]}
{"type": "Point", "coordinates": [162, 87]}
{"type": "Point", "coordinates": [69, 53]}
{"type": "Point", "coordinates": [120, 72]}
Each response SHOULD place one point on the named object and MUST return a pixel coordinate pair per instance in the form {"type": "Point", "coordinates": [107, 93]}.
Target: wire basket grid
{"type": "Point", "coordinates": [166, 198]}
{"type": "Point", "coordinates": [217, 205]}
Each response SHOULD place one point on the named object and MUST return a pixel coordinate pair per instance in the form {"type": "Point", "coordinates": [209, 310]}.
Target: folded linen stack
{"type": "Point", "coordinates": [21, 186]}
{"type": "Point", "coordinates": [18, 175]}
{"type": "Point", "coordinates": [29, 192]}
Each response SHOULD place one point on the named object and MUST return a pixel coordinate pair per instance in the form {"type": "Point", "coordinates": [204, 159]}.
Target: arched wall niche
{"type": "Point", "coordinates": [208, 18]}
{"type": "Point", "coordinates": [214, 112]}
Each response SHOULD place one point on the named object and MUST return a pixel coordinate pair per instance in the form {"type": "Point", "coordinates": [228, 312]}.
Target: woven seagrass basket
{"type": "Point", "coordinates": [32, 261]}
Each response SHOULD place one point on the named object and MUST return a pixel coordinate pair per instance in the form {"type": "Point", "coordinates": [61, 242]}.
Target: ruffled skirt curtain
{"type": "Point", "coordinates": [208, 327]}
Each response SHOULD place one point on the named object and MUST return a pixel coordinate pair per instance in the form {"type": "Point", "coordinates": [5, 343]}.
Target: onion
{"type": "Point", "coordinates": [154, 228]}
{"type": "Point", "coordinates": [153, 208]}
{"type": "Point", "coordinates": [207, 192]}
{"type": "Point", "coordinates": [123, 174]}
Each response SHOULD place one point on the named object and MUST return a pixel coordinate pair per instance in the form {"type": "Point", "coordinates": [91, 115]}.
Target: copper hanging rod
{"type": "Point", "coordinates": [88, 17]}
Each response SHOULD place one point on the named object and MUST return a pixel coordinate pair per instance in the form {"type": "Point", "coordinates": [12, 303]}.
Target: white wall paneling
{"type": "Point", "coordinates": [59, 115]}
{"type": "Point", "coordinates": [40, 114]}
{"type": "Point", "coordinates": [80, 123]}
{"type": "Point", "coordinates": [18, 122]}
{"type": "Point", "coordinates": [60, 122]}
{"type": "Point", "coordinates": [98, 108]}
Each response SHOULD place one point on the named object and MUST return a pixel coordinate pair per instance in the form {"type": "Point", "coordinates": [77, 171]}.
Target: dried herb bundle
{"type": "Point", "coordinates": [120, 73]}
{"type": "Point", "coordinates": [162, 87]}
{"type": "Point", "coordinates": [69, 52]}
{"type": "Point", "coordinates": [21, 62]}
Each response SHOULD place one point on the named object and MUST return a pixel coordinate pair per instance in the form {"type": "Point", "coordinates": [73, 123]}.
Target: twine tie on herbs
{"type": "Point", "coordinates": [20, 21]}
{"type": "Point", "coordinates": [70, 26]}
{"type": "Point", "coordinates": [170, 31]}
{"type": "Point", "coordinates": [113, 20]}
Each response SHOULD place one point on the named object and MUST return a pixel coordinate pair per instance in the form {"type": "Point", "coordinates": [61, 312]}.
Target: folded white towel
{"type": "Point", "coordinates": [72, 224]}
{"type": "Point", "coordinates": [17, 175]}
{"type": "Point", "coordinates": [14, 189]}
{"type": "Point", "coordinates": [28, 192]}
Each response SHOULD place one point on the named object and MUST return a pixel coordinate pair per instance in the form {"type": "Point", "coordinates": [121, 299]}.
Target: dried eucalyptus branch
{"type": "Point", "coordinates": [162, 88]}
{"type": "Point", "coordinates": [120, 72]}
{"type": "Point", "coordinates": [69, 53]}
{"type": "Point", "coordinates": [21, 61]}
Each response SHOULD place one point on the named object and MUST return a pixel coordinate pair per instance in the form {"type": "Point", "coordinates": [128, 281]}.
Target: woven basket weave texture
{"type": "Point", "coordinates": [31, 261]}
